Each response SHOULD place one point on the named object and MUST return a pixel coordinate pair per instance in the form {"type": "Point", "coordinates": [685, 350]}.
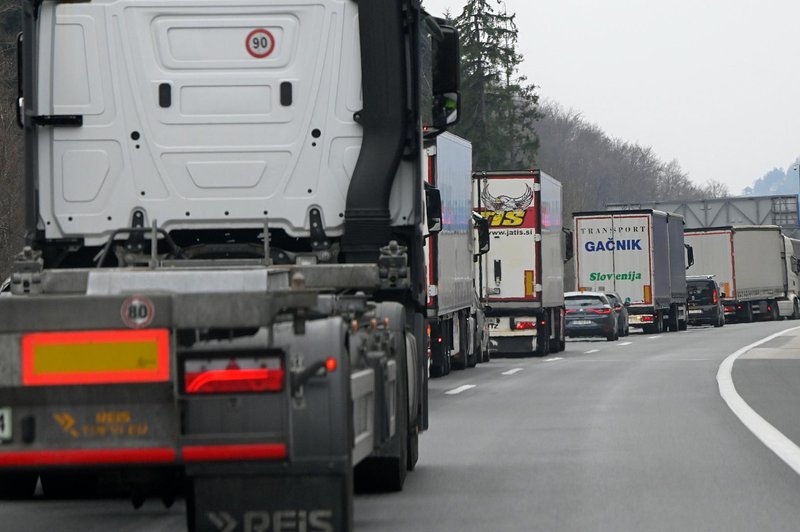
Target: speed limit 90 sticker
{"type": "Point", "coordinates": [260, 43]}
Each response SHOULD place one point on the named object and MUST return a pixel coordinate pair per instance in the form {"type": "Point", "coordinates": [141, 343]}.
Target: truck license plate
{"type": "Point", "coordinates": [5, 424]}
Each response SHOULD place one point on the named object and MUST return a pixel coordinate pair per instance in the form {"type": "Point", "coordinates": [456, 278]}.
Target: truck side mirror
{"type": "Point", "coordinates": [446, 77]}
{"type": "Point", "coordinates": [569, 246]}
{"type": "Point", "coordinates": [433, 209]}
{"type": "Point", "coordinates": [482, 225]}
{"type": "Point", "coordinates": [689, 256]}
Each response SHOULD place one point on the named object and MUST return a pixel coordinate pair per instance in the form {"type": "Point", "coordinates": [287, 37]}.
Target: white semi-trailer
{"type": "Point", "coordinates": [455, 314]}
{"type": "Point", "coordinates": [224, 277]}
{"type": "Point", "coordinates": [640, 255]}
{"type": "Point", "coordinates": [755, 266]}
{"type": "Point", "coordinates": [523, 275]}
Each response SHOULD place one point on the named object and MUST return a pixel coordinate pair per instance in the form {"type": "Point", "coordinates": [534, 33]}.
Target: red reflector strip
{"type": "Point", "coordinates": [212, 453]}
{"type": "Point", "coordinates": [523, 325]}
{"type": "Point", "coordinates": [160, 455]}
{"type": "Point", "coordinates": [235, 381]}
{"type": "Point", "coordinates": [647, 318]}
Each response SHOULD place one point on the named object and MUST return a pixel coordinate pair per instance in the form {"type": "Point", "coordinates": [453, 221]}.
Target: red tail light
{"type": "Point", "coordinates": [714, 296]}
{"type": "Point", "coordinates": [648, 318]}
{"type": "Point", "coordinates": [618, 307]}
{"type": "Point", "coordinates": [571, 311]}
{"type": "Point", "coordinates": [236, 375]}
{"type": "Point", "coordinates": [601, 311]}
{"type": "Point", "coordinates": [235, 381]}
{"type": "Point", "coordinates": [524, 325]}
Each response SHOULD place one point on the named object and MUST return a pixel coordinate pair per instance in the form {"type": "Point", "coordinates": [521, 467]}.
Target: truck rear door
{"type": "Point", "coordinates": [511, 204]}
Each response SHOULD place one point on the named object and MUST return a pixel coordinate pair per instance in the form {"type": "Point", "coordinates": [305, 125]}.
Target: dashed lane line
{"type": "Point", "coordinates": [624, 343]}
{"type": "Point", "coordinates": [590, 351]}
{"type": "Point", "coordinates": [552, 359]}
{"type": "Point", "coordinates": [512, 371]}
{"type": "Point", "coordinates": [654, 337]}
{"type": "Point", "coordinates": [464, 388]}
{"type": "Point", "coordinates": [775, 441]}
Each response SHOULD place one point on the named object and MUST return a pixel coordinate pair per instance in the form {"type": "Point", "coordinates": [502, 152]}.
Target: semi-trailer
{"type": "Point", "coordinates": [755, 265]}
{"type": "Point", "coordinates": [523, 274]}
{"type": "Point", "coordinates": [224, 277]}
{"type": "Point", "coordinates": [639, 254]}
{"type": "Point", "coordinates": [456, 322]}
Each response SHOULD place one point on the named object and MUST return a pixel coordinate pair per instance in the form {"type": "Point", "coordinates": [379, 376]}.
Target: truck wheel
{"type": "Point", "coordinates": [555, 343]}
{"type": "Point", "coordinates": [387, 470]}
{"type": "Point", "coordinates": [773, 314]}
{"type": "Point", "coordinates": [542, 338]}
{"type": "Point", "coordinates": [672, 320]}
{"type": "Point", "coordinates": [16, 486]}
{"type": "Point", "coordinates": [747, 313]}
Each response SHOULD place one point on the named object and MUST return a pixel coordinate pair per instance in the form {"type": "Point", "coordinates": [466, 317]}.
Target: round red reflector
{"type": "Point", "coordinates": [330, 365]}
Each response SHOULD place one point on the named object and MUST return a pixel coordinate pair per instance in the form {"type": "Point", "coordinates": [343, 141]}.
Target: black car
{"type": "Point", "coordinates": [623, 328]}
{"type": "Point", "coordinates": [590, 314]}
{"type": "Point", "coordinates": [705, 301]}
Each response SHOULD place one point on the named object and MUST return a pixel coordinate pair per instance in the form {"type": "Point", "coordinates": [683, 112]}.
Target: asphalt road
{"type": "Point", "coordinates": [624, 436]}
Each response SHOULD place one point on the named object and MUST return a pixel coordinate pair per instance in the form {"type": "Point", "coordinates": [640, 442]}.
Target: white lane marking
{"type": "Point", "coordinates": [460, 389]}
{"type": "Point", "coordinates": [624, 343]}
{"type": "Point", "coordinates": [552, 359]}
{"type": "Point", "coordinates": [590, 351]}
{"type": "Point", "coordinates": [654, 337]}
{"type": "Point", "coordinates": [512, 371]}
{"type": "Point", "coordinates": [775, 441]}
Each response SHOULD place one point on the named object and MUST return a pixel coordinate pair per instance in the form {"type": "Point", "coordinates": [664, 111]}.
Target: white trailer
{"type": "Point", "coordinates": [755, 266]}
{"type": "Point", "coordinates": [524, 276]}
{"type": "Point", "coordinates": [455, 315]}
{"type": "Point", "coordinates": [641, 256]}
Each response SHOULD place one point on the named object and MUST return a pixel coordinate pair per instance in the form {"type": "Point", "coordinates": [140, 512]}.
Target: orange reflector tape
{"type": "Point", "coordinates": [648, 294]}
{"type": "Point", "coordinates": [95, 357]}
{"type": "Point", "coordinates": [528, 283]}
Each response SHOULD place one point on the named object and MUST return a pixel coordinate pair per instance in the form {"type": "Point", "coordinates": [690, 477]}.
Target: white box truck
{"type": "Point", "coordinates": [640, 255]}
{"type": "Point", "coordinates": [456, 322]}
{"type": "Point", "coordinates": [755, 267]}
{"type": "Point", "coordinates": [524, 274]}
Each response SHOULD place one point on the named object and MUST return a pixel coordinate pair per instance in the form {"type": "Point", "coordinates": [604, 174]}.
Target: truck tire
{"type": "Point", "coordinates": [555, 341]}
{"type": "Point", "coordinates": [672, 319]}
{"type": "Point", "coordinates": [543, 337]}
{"type": "Point", "coordinates": [17, 486]}
{"type": "Point", "coordinates": [386, 471]}
{"type": "Point", "coordinates": [747, 312]}
{"type": "Point", "coordinates": [773, 313]}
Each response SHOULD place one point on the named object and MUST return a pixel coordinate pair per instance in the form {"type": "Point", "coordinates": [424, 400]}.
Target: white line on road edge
{"type": "Point", "coordinates": [552, 359]}
{"type": "Point", "coordinates": [512, 371]}
{"type": "Point", "coordinates": [760, 427]}
{"type": "Point", "coordinates": [654, 337]}
{"type": "Point", "coordinates": [460, 389]}
{"type": "Point", "coordinates": [624, 343]}
{"type": "Point", "coordinates": [590, 351]}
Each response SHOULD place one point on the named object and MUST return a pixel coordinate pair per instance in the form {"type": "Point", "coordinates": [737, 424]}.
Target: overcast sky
{"type": "Point", "coordinates": [714, 84]}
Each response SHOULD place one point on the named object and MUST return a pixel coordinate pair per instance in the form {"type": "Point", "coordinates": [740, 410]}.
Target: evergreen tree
{"type": "Point", "coordinates": [499, 107]}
